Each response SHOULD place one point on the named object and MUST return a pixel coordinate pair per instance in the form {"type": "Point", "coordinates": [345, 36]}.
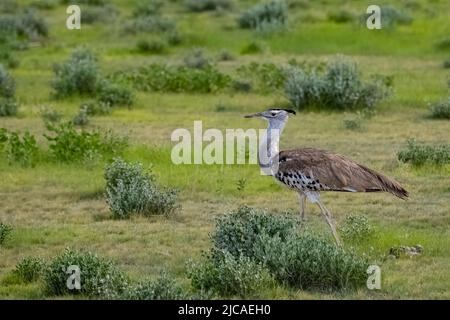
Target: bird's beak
{"type": "Point", "coordinates": [253, 115]}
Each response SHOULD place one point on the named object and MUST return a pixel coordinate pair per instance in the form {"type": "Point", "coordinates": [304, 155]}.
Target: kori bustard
{"type": "Point", "coordinates": [310, 171]}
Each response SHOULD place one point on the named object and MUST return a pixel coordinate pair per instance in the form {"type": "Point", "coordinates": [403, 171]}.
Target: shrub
{"type": "Point", "coordinates": [31, 25]}
{"type": "Point", "coordinates": [8, 107]}
{"type": "Point", "coordinates": [78, 75]}
{"type": "Point", "coordinates": [265, 16]}
{"type": "Point", "coordinates": [148, 8]}
{"type": "Point", "coordinates": [44, 4]}
{"type": "Point", "coordinates": [163, 288]}
{"type": "Point", "coordinates": [152, 46]}
{"type": "Point", "coordinates": [50, 115]}
{"type": "Point", "coordinates": [391, 17]}
{"type": "Point", "coordinates": [131, 190]}
{"type": "Point", "coordinates": [440, 110]}
{"type": "Point", "coordinates": [418, 154]}
{"type": "Point", "coordinates": [7, 84]}
{"type": "Point", "coordinates": [353, 124]}
{"type": "Point", "coordinates": [30, 269]}
{"type": "Point", "coordinates": [81, 119]}
{"type": "Point", "coordinates": [5, 231]}
{"type": "Point", "coordinates": [113, 95]}
{"type": "Point", "coordinates": [222, 273]}
{"type": "Point", "coordinates": [267, 77]}
{"type": "Point", "coordinates": [253, 48]}
{"type": "Point", "coordinates": [67, 144]}
{"type": "Point", "coordinates": [162, 78]}
{"type": "Point", "coordinates": [150, 24]}
{"type": "Point", "coordinates": [225, 55]}
{"type": "Point", "coordinates": [196, 59]}
{"type": "Point", "coordinates": [92, 15]}
{"type": "Point", "coordinates": [99, 277]}
{"type": "Point", "coordinates": [242, 85]}
{"type": "Point", "coordinates": [446, 64]}
{"type": "Point", "coordinates": [339, 87]}
{"type": "Point", "coordinates": [310, 262]}
{"type": "Point", "coordinates": [8, 59]}
{"type": "Point", "coordinates": [240, 231]}
{"type": "Point", "coordinates": [356, 228]}
{"type": "Point", "coordinates": [341, 16]}
{"type": "Point", "coordinates": [8, 6]}
{"type": "Point", "coordinates": [22, 150]}
{"type": "Point", "coordinates": [174, 38]}
{"type": "Point", "coordinates": [207, 5]}
{"type": "Point", "coordinates": [95, 108]}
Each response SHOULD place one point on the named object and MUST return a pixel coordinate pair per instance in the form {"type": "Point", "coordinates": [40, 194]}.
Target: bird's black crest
{"type": "Point", "coordinates": [287, 110]}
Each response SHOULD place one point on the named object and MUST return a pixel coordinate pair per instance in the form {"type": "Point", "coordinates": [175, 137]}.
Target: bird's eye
{"type": "Point", "coordinates": [273, 114]}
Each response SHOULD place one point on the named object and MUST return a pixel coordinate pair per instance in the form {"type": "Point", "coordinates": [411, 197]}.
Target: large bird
{"type": "Point", "coordinates": [309, 171]}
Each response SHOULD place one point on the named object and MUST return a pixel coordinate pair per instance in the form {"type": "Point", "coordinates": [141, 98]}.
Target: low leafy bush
{"type": "Point", "coordinates": [30, 269]}
{"type": "Point", "coordinates": [78, 75]}
{"type": "Point", "coordinates": [356, 228]}
{"type": "Point", "coordinates": [82, 118]}
{"type": "Point", "coordinates": [310, 262]}
{"type": "Point", "coordinates": [26, 25]}
{"type": "Point", "coordinates": [446, 64]}
{"type": "Point", "coordinates": [440, 110]}
{"type": "Point", "coordinates": [97, 14]}
{"type": "Point", "coordinates": [157, 77]}
{"type": "Point", "coordinates": [8, 107]}
{"type": "Point", "coordinates": [44, 4]}
{"type": "Point", "coordinates": [148, 8]}
{"type": "Point", "coordinates": [225, 55]}
{"type": "Point", "coordinates": [341, 16]}
{"type": "Point", "coordinates": [22, 150]}
{"type": "Point", "coordinates": [253, 48]}
{"type": "Point", "coordinates": [7, 84]}
{"type": "Point", "coordinates": [50, 115]}
{"type": "Point", "coordinates": [67, 144]}
{"type": "Point", "coordinates": [240, 231]}
{"type": "Point", "coordinates": [99, 277]}
{"type": "Point", "coordinates": [174, 38]}
{"type": "Point", "coordinates": [149, 24]}
{"type": "Point", "coordinates": [8, 6]}
{"type": "Point", "coordinates": [5, 231]}
{"type": "Point", "coordinates": [151, 46]}
{"type": "Point", "coordinates": [207, 5]}
{"type": "Point", "coordinates": [271, 15]}
{"type": "Point", "coordinates": [7, 58]}
{"type": "Point", "coordinates": [132, 190]}
{"type": "Point", "coordinates": [266, 77]}
{"type": "Point", "coordinates": [95, 108]}
{"type": "Point", "coordinates": [339, 87]}
{"type": "Point", "coordinates": [419, 154]}
{"type": "Point", "coordinates": [115, 95]}
{"type": "Point", "coordinates": [242, 85]}
{"type": "Point", "coordinates": [223, 274]}
{"type": "Point", "coordinates": [163, 288]}
{"type": "Point", "coordinates": [443, 44]}
{"type": "Point", "coordinates": [196, 59]}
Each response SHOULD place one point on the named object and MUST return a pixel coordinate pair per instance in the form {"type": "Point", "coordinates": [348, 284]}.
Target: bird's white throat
{"type": "Point", "coordinates": [269, 145]}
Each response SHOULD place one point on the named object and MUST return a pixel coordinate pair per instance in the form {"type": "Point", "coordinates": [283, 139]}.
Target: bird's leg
{"type": "Point", "coordinates": [302, 199]}
{"type": "Point", "coordinates": [330, 221]}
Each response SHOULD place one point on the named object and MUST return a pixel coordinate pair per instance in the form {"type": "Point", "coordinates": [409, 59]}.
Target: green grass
{"type": "Point", "coordinates": [53, 205]}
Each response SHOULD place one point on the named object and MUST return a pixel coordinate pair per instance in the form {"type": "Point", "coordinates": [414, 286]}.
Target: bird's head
{"type": "Point", "coordinates": [273, 115]}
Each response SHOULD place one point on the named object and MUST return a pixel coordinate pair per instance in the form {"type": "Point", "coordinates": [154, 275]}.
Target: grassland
{"type": "Point", "coordinates": [52, 206]}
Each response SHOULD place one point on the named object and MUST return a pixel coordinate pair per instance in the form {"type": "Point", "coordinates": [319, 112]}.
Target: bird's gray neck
{"type": "Point", "coordinates": [269, 144]}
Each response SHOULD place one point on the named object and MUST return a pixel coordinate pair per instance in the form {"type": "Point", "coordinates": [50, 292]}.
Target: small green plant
{"type": "Point", "coordinates": [162, 288]}
{"type": "Point", "coordinates": [149, 24]}
{"type": "Point", "coordinates": [253, 48]}
{"type": "Point", "coordinates": [242, 85]}
{"type": "Point", "coordinates": [443, 44]}
{"type": "Point", "coordinates": [8, 107]}
{"type": "Point", "coordinates": [240, 184]}
{"type": "Point", "coordinates": [132, 190]}
{"type": "Point", "coordinates": [225, 275]}
{"type": "Point", "coordinates": [356, 228]}
{"type": "Point", "coordinates": [446, 64]}
{"type": "Point", "coordinates": [20, 150]}
{"type": "Point", "coordinates": [99, 277]}
{"type": "Point", "coordinates": [151, 46]}
{"type": "Point", "coordinates": [419, 154]}
{"type": "Point", "coordinates": [225, 55]}
{"type": "Point", "coordinates": [207, 5]}
{"type": "Point", "coordinates": [95, 108]}
{"type": "Point", "coordinates": [174, 38]}
{"type": "Point", "coordinates": [67, 144]}
{"type": "Point", "coordinates": [5, 231]}
{"type": "Point", "coordinates": [266, 77]}
{"type": "Point", "coordinates": [7, 84]}
{"type": "Point", "coordinates": [148, 8]}
{"type": "Point", "coordinates": [353, 124]}
{"type": "Point", "coordinates": [342, 16]}
{"type": "Point", "coordinates": [268, 16]}
{"type": "Point", "coordinates": [30, 269]}
{"type": "Point", "coordinates": [440, 110]}
{"type": "Point", "coordinates": [196, 59]}
{"type": "Point", "coordinates": [78, 75]}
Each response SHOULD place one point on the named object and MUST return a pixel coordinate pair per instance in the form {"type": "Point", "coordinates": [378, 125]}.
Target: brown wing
{"type": "Point", "coordinates": [336, 172]}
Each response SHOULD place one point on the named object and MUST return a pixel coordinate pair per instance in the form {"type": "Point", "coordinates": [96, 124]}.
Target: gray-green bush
{"type": "Point", "coordinates": [270, 16]}
{"type": "Point", "coordinates": [132, 190]}
{"type": "Point", "coordinates": [151, 46]}
{"type": "Point", "coordinates": [338, 87]}
{"type": "Point", "coordinates": [221, 273]}
{"type": "Point", "coordinates": [8, 107]}
{"type": "Point", "coordinates": [22, 150]}
{"type": "Point", "coordinates": [96, 14]}
{"type": "Point", "coordinates": [207, 5]}
{"type": "Point", "coordinates": [115, 95]}
{"type": "Point", "coordinates": [78, 75]}
{"type": "Point", "coordinates": [440, 110]}
{"type": "Point", "coordinates": [99, 277]}
{"type": "Point", "coordinates": [7, 84]}
{"type": "Point", "coordinates": [356, 228]}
